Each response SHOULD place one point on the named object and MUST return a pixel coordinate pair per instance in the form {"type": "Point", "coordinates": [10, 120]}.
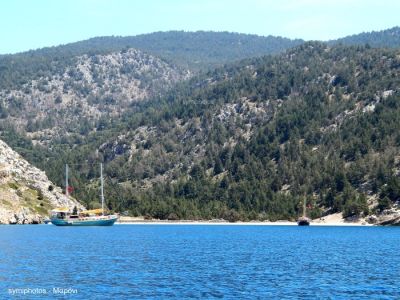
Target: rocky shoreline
{"type": "Point", "coordinates": [26, 194]}
{"type": "Point", "coordinates": [23, 216]}
{"type": "Point", "coordinates": [389, 217]}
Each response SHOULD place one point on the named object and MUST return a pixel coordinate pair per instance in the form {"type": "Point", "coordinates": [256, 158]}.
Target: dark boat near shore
{"type": "Point", "coordinates": [303, 220]}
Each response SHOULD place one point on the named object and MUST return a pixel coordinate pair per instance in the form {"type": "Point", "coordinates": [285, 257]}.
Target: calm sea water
{"type": "Point", "coordinates": [183, 261]}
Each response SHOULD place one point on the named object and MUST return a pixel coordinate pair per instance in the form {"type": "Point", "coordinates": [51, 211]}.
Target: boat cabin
{"type": "Point", "coordinates": [60, 213]}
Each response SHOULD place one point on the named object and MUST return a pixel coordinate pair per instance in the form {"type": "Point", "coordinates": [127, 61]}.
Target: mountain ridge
{"type": "Point", "coordinates": [387, 38]}
{"type": "Point", "coordinates": [92, 88]}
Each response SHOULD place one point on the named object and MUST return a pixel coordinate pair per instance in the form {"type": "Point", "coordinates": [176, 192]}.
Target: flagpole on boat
{"type": "Point", "coordinates": [102, 188]}
{"type": "Point", "coordinates": [66, 180]}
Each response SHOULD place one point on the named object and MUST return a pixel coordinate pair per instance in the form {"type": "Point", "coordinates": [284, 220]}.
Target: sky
{"type": "Point", "coordinates": [32, 24]}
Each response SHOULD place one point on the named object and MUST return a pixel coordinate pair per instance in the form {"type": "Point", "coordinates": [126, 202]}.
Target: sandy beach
{"type": "Point", "coordinates": [330, 220]}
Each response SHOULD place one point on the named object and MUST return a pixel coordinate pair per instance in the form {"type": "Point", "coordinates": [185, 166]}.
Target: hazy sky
{"type": "Point", "coordinates": [31, 24]}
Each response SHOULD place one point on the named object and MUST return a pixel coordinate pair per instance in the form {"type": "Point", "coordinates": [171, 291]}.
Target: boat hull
{"type": "Point", "coordinates": [88, 222]}
{"type": "Point", "coordinates": [303, 221]}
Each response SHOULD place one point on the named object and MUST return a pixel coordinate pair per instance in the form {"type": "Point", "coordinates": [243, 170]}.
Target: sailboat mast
{"type": "Point", "coordinates": [66, 180]}
{"type": "Point", "coordinates": [304, 207]}
{"type": "Point", "coordinates": [102, 188]}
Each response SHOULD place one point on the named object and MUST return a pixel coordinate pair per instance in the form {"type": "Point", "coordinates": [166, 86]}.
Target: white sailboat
{"type": "Point", "coordinates": [95, 217]}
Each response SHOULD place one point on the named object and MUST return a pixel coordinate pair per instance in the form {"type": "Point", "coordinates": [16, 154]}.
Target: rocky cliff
{"type": "Point", "coordinates": [26, 194]}
{"type": "Point", "coordinates": [387, 217]}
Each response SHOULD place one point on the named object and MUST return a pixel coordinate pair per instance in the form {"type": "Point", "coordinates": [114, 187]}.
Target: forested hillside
{"type": "Point", "coordinates": [81, 95]}
{"type": "Point", "coordinates": [250, 141]}
{"type": "Point", "coordinates": [193, 50]}
{"type": "Point", "coordinates": [76, 88]}
{"type": "Point", "coordinates": [200, 50]}
{"type": "Point", "coordinates": [389, 38]}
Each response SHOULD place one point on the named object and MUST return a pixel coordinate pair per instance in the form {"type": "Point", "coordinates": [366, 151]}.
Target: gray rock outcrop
{"type": "Point", "coordinates": [26, 194]}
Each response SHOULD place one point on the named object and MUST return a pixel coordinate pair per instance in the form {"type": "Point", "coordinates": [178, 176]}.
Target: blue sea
{"type": "Point", "coordinates": [199, 261]}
